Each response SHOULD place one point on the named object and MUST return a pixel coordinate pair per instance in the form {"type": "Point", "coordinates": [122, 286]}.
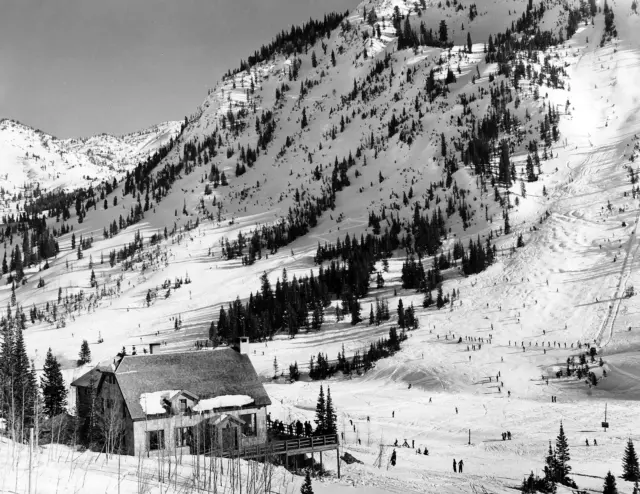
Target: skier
{"type": "Point", "coordinates": [393, 414]}
{"type": "Point", "coordinates": [595, 442]}
{"type": "Point", "coordinates": [586, 441]}
{"type": "Point", "coordinates": [455, 465]}
{"type": "Point", "coordinates": [456, 410]}
{"type": "Point", "coordinates": [460, 465]}
{"type": "Point", "coordinates": [509, 393]}
{"type": "Point", "coordinates": [393, 458]}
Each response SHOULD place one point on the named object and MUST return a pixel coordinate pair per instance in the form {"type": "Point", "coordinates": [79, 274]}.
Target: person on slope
{"type": "Point", "coordinates": [460, 465]}
{"type": "Point", "coordinates": [455, 466]}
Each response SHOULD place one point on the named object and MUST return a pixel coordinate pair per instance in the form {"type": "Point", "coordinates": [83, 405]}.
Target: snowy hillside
{"type": "Point", "coordinates": [489, 177]}
{"type": "Point", "coordinates": [30, 156]}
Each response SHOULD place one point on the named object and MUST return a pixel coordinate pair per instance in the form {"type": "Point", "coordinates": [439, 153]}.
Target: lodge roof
{"type": "Point", "coordinates": [205, 373]}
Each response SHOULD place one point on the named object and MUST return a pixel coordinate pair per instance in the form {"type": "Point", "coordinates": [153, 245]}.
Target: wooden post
{"type": "Point", "coordinates": [320, 461]}
{"type": "Point", "coordinates": [469, 436]}
{"type": "Point", "coordinates": [338, 457]}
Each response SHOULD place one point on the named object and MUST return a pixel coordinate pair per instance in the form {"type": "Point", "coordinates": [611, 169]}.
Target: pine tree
{"type": "Point", "coordinates": [442, 31]}
{"type": "Point", "coordinates": [507, 226]}
{"type": "Point", "coordinates": [610, 484]}
{"type": "Point", "coordinates": [330, 415]}
{"type": "Point", "coordinates": [440, 298]}
{"type": "Point", "coordinates": [321, 409]}
{"type": "Point", "coordinates": [306, 488]}
{"type": "Point", "coordinates": [469, 44]}
{"type": "Point", "coordinates": [85, 353]}
{"type": "Point", "coordinates": [631, 471]}
{"type": "Point", "coordinates": [54, 391]}
{"type": "Point", "coordinates": [24, 388]}
{"type": "Point", "coordinates": [401, 321]}
{"type": "Point", "coordinates": [355, 312]}
{"type": "Point", "coordinates": [562, 467]}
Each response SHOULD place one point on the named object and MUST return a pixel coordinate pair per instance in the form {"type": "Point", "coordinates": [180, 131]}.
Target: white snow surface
{"type": "Point", "coordinates": [565, 286]}
{"type": "Point", "coordinates": [223, 401]}
{"type": "Point", "coordinates": [151, 403]}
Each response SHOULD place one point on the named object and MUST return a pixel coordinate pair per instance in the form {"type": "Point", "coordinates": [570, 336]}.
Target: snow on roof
{"type": "Point", "coordinates": [151, 403]}
{"type": "Point", "coordinates": [224, 401]}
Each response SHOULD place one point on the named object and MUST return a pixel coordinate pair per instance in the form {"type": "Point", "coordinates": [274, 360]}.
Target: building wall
{"type": "Point", "coordinates": [116, 415]}
{"type": "Point", "coordinates": [169, 425]}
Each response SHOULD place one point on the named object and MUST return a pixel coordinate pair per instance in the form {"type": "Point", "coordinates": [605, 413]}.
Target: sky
{"type": "Point", "coordinates": [75, 68]}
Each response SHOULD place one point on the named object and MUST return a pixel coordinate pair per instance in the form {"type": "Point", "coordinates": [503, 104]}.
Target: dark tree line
{"type": "Point", "coordinates": [297, 40]}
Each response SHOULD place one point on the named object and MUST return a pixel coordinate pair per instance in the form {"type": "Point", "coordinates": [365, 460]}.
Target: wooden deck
{"type": "Point", "coordinates": [289, 447]}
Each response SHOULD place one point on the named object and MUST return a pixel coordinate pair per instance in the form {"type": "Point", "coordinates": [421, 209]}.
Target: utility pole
{"type": "Point", "coordinates": [469, 437]}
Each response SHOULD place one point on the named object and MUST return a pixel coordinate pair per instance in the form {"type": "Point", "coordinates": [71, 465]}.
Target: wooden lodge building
{"type": "Point", "coordinates": [191, 402]}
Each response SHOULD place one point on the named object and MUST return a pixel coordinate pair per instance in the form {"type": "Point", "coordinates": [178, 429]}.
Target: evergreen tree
{"type": "Point", "coordinates": [54, 391]}
{"type": "Point", "coordinates": [355, 312]}
{"type": "Point", "coordinates": [306, 486]}
{"type": "Point", "coordinates": [440, 299]}
{"type": "Point", "coordinates": [469, 44]}
{"type": "Point", "coordinates": [442, 30]}
{"type": "Point", "coordinates": [24, 387]}
{"type": "Point", "coordinates": [562, 467]}
{"type": "Point", "coordinates": [401, 321]}
{"type": "Point", "coordinates": [631, 471]}
{"type": "Point", "coordinates": [610, 484]}
{"type": "Point", "coordinates": [507, 226]}
{"type": "Point", "coordinates": [85, 353]}
{"type": "Point", "coordinates": [321, 409]}
{"type": "Point", "coordinates": [330, 416]}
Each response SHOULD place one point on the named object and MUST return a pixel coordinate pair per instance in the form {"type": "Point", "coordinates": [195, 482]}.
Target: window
{"type": "Point", "coordinates": [183, 405]}
{"type": "Point", "coordinates": [183, 436]}
{"type": "Point", "coordinates": [249, 428]}
{"type": "Point", "coordinates": [155, 440]}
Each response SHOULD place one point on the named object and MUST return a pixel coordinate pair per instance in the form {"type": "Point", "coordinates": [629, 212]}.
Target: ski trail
{"type": "Point", "coordinates": [606, 329]}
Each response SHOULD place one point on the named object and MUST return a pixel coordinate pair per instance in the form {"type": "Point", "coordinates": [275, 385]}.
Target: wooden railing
{"type": "Point", "coordinates": [288, 447]}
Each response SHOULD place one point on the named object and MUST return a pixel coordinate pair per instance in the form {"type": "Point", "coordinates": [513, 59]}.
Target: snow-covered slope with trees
{"type": "Point", "coordinates": [494, 190]}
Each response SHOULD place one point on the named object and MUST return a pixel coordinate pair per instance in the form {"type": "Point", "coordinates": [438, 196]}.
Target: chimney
{"type": "Point", "coordinates": [241, 345]}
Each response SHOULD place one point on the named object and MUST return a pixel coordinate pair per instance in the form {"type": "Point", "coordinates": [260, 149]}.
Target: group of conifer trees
{"type": "Point", "coordinates": [557, 470]}
{"type": "Point", "coordinates": [23, 400]}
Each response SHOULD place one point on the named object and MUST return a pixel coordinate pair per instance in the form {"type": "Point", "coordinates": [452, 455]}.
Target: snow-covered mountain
{"type": "Point", "coordinates": [30, 156]}
{"type": "Point", "coordinates": [521, 133]}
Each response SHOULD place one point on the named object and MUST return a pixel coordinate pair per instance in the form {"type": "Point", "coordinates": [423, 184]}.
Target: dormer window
{"type": "Point", "coordinates": [183, 405]}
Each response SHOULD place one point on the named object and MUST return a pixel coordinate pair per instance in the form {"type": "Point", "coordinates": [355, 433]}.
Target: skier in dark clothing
{"type": "Point", "coordinates": [393, 458]}
{"type": "Point", "coordinates": [460, 465]}
{"type": "Point", "coordinates": [455, 466]}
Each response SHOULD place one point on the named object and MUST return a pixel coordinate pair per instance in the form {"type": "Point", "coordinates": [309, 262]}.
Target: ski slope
{"type": "Point", "coordinates": [565, 287]}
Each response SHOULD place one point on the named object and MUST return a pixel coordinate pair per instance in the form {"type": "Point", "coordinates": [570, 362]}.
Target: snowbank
{"type": "Point", "coordinates": [151, 403]}
{"type": "Point", "coordinates": [224, 401]}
